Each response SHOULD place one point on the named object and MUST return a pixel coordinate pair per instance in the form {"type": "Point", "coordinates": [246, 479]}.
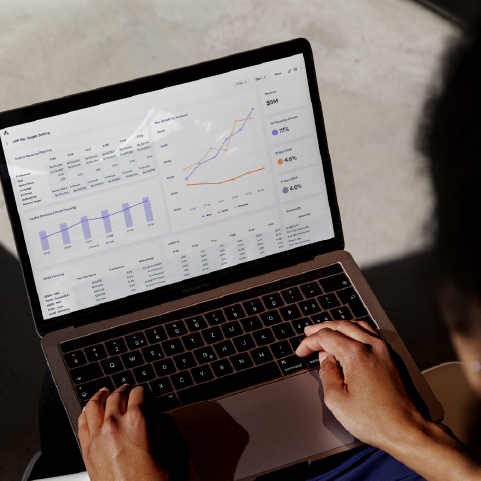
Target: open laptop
{"type": "Point", "coordinates": [179, 231]}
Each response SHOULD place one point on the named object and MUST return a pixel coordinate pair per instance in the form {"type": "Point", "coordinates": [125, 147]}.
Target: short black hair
{"type": "Point", "coordinates": [451, 140]}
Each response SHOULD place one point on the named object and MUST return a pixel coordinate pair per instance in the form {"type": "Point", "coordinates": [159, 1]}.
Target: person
{"type": "Point", "coordinates": [362, 384]}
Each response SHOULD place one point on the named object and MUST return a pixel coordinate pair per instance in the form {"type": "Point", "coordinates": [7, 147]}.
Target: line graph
{"type": "Point", "coordinates": [229, 180]}
{"type": "Point", "coordinates": [197, 164]}
{"type": "Point", "coordinates": [84, 221]}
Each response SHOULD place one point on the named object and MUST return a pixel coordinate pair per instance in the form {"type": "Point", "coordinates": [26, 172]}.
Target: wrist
{"type": "Point", "coordinates": [431, 450]}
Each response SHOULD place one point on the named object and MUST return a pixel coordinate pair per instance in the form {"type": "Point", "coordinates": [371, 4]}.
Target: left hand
{"type": "Point", "coordinates": [116, 438]}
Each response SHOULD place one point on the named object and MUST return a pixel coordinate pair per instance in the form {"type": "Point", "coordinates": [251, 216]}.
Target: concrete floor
{"type": "Point", "coordinates": [375, 59]}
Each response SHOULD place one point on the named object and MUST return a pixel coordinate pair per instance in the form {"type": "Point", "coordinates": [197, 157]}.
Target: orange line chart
{"type": "Point", "coordinates": [229, 180]}
{"type": "Point", "coordinates": [197, 164]}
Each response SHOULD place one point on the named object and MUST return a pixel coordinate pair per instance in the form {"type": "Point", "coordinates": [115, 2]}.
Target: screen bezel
{"type": "Point", "coordinates": [143, 85]}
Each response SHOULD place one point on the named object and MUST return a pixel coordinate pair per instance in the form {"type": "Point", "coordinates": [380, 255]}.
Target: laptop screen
{"type": "Point", "coordinates": [140, 193]}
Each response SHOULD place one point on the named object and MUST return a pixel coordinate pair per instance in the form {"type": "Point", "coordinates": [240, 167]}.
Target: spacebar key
{"type": "Point", "coordinates": [225, 385]}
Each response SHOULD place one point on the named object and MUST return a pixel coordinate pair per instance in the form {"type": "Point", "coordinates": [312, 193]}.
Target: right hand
{"type": "Point", "coordinates": [362, 385]}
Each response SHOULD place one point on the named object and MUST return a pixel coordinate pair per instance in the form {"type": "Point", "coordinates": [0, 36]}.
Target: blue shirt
{"type": "Point", "coordinates": [370, 464]}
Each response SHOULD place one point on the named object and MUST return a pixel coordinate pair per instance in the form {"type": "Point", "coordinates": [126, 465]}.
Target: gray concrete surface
{"type": "Point", "coordinates": [375, 61]}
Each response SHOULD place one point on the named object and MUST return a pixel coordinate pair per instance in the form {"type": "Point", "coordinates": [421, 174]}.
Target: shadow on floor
{"type": "Point", "coordinates": [403, 287]}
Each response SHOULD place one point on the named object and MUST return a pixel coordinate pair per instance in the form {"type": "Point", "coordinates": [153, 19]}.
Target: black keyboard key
{"type": "Point", "coordinates": [251, 324]}
{"type": "Point", "coordinates": [241, 361]}
{"type": "Point", "coordinates": [254, 306]}
{"type": "Point", "coordinates": [184, 361]}
{"type": "Point", "coordinates": [349, 296]}
{"type": "Point", "coordinates": [153, 353]}
{"type": "Point", "coordinates": [202, 374]}
{"type": "Point", "coordinates": [244, 343]}
{"type": "Point", "coordinates": [270, 318]}
{"type": "Point", "coordinates": [116, 346]}
{"type": "Point", "coordinates": [309, 307]}
{"type": "Point", "coordinates": [312, 360]}
{"type": "Point", "coordinates": [234, 312]}
{"type": "Point", "coordinates": [164, 367]}
{"type": "Point", "coordinates": [224, 348]}
{"type": "Point", "coordinates": [232, 329]}
{"type": "Point", "coordinates": [205, 354]}
{"type": "Point", "coordinates": [292, 295]}
{"type": "Point", "coordinates": [263, 337]}
{"type": "Point", "coordinates": [291, 364]}
{"type": "Point", "coordinates": [193, 341]}
{"type": "Point", "coordinates": [132, 359]}
{"type": "Point", "coordinates": [196, 323]}
{"type": "Point", "coordinates": [321, 317]}
{"type": "Point", "coordinates": [214, 334]}
{"type": "Point", "coordinates": [273, 301]}
{"type": "Point", "coordinates": [283, 331]}
{"type": "Point", "coordinates": [289, 313]}
{"type": "Point", "coordinates": [336, 268]}
{"type": "Point", "coordinates": [261, 355]}
{"type": "Point", "coordinates": [112, 365]}
{"type": "Point", "coordinates": [222, 367]}
{"type": "Point", "coordinates": [238, 381]}
{"type": "Point", "coordinates": [86, 373]}
{"type": "Point", "coordinates": [328, 301]}
{"type": "Point", "coordinates": [181, 380]}
{"type": "Point", "coordinates": [341, 313]}
{"type": "Point", "coordinates": [134, 341]}
{"type": "Point", "coordinates": [215, 317]}
{"type": "Point", "coordinates": [334, 283]}
{"type": "Point", "coordinates": [156, 335]}
{"type": "Point", "coordinates": [161, 386]}
{"type": "Point", "coordinates": [122, 378]}
{"type": "Point", "coordinates": [176, 329]}
{"type": "Point", "coordinates": [281, 349]}
{"type": "Point", "coordinates": [144, 373]}
{"type": "Point", "coordinates": [74, 359]}
{"type": "Point", "coordinates": [167, 402]}
{"type": "Point", "coordinates": [300, 325]}
{"type": "Point", "coordinates": [87, 390]}
{"type": "Point", "coordinates": [173, 347]}
{"type": "Point", "coordinates": [95, 353]}
{"type": "Point", "coordinates": [295, 341]}
{"type": "Point", "coordinates": [311, 290]}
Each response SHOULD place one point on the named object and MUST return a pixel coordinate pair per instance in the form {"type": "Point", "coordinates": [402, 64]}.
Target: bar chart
{"type": "Point", "coordinates": [105, 217]}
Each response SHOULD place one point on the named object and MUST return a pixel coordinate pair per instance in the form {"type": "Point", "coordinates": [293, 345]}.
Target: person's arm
{"type": "Point", "coordinates": [363, 389]}
{"type": "Point", "coordinates": [116, 439]}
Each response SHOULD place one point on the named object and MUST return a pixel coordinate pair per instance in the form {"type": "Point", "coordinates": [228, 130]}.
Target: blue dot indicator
{"type": "Point", "coordinates": [275, 132]}
{"type": "Point", "coordinates": [285, 190]}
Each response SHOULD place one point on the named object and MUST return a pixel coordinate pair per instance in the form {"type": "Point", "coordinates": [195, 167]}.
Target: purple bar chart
{"type": "Point", "coordinates": [44, 241]}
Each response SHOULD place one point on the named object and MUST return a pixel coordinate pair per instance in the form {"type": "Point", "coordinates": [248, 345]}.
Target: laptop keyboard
{"type": "Point", "coordinates": [215, 348]}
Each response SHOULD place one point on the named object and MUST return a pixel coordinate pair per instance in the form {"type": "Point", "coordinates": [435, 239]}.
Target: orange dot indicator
{"type": "Point", "coordinates": [280, 161]}
{"type": "Point", "coordinates": [235, 207]}
{"type": "Point", "coordinates": [218, 212]}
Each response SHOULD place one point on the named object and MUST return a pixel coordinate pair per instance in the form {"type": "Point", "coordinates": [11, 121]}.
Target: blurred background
{"type": "Point", "coordinates": [377, 61]}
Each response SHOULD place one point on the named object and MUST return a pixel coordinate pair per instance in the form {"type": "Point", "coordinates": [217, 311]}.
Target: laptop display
{"type": "Point", "coordinates": [154, 189]}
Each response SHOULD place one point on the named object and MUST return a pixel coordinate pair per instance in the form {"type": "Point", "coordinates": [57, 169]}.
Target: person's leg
{"type": "Point", "coordinates": [60, 451]}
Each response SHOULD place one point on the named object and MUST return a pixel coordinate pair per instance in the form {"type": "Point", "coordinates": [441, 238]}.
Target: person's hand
{"type": "Point", "coordinates": [116, 439]}
{"type": "Point", "coordinates": [362, 386]}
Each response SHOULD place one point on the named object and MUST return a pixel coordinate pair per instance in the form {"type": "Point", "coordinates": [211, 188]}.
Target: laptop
{"type": "Point", "coordinates": [179, 231]}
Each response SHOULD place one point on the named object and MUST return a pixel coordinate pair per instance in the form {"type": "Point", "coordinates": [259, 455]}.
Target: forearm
{"type": "Point", "coordinates": [433, 453]}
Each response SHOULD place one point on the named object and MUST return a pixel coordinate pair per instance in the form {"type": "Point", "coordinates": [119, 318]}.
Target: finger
{"type": "Point", "coordinates": [116, 404]}
{"type": "Point", "coordinates": [83, 430]}
{"type": "Point", "coordinates": [351, 329]}
{"type": "Point", "coordinates": [332, 341]}
{"type": "Point", "coordinates": [330, 374]}
{"type": "Point", "coordinates": [136, 397]}
{"type": "Point", "coordinates": [95, 410]}
{"type": "Point", "coordinates": [367, 327]}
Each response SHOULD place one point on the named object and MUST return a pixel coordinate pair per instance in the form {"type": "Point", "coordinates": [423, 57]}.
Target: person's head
{"type": "Point", "coordinates": [451, 140]}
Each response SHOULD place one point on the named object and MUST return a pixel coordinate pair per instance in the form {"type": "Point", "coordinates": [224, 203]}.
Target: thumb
{"type": "Point", "coordinates": [330, 373]}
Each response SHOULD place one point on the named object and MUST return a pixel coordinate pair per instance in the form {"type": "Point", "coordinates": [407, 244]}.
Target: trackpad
{"type": "Point", "coordinates": [261, 429]}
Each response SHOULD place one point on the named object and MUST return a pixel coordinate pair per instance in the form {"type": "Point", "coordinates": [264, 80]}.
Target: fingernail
{"type": "Point", "coordinates": [104, 389]}
{"type": "Point", "coordinates": [322, 356]}
{"type": "Point", "coordinates": [83, 409]}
